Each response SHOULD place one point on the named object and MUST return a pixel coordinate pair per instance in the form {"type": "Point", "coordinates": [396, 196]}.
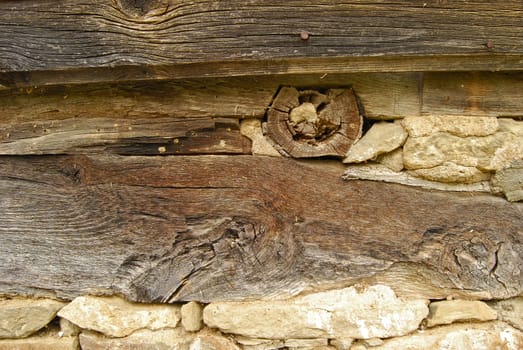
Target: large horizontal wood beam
{"type": "Point", "coordinates": [49, 42]}
{"type": "Point", "coordinates": [216, 227]}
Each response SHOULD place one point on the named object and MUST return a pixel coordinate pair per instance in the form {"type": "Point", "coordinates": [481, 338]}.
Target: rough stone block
{"type": "Point", "coordinates": [166, 339]}
{"type": "Point", "coordinates": [258, 343]}
{"type": "Point", "coordinates": [464, 336]}
{"type": "Point", "coordinates": [116, 317]}
{"type": "Point", "coordinates": [449, 311]}
{"type": "Point", "coordinates": [392, 160]}
{"type": "Point", "coordinates": [510, 311]}
{"type": "Point", "coordinates": [45, 342]}
{"type": "Point", "coordinates": [252, 129]}
{"type": "Point", "coordinates": [344, 313]}
{"type": "Point", "coordinates": [488, 153]}
{"type": "Point", "coordinates": [300, 343]}
{"type": "Point", "coordinates": [452, 173]}
{"type": "Point", "coordinates": [342, 343]}
{"type": "Point", "coordinates": [192, 316]}
{"type": "Point", "coordinates": [510, 125]}
{"type": "Point", "coordinates": [456, 125]}
{"type": "Point", "coordinates": [21, 317]}
{"type": "Point", "coordinates": [510, 180]}
{"type": "Point", "coordinates": [381, 138]}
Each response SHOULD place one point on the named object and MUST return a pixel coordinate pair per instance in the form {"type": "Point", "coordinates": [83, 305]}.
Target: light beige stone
{"type": "Point", "coordinates": [322, 347]}
{"type": "Point", "coordinates": [207, 340]}
{"type": "Point", "coordinates": [252, 129]}
{"type": "Point", "coordinates": [20, 317]}
{"type": "Point", "coordinates": [510, 311]}
{"type": "Point", "coordinates": [452, 173]}
{"type": "Point", "coordinates": [460, 336]}
{"type": "Point", "coordinates": [450, 311]}
{"type": "Point", "coordinates": [456, 125]}
{"type": "Point", "coordinates": [359, 346]}
{"type": "Point", "coordinates": [304, 112]}
{"type": "Point", "coordinates": [369, 312]}
{"type": "Point", "coordinates": [46, 342]}
{"type": "Point", "coordinates": [381, 138]}
{"type": "Point", "coordinates": [487, 153]}
{"type": "Point", "coordinates": [192, 316]}
{"type": "Point", "coordinates": [300, 343]}
{"type": "Point", "coordinates": [378, 172]}
{"type": "Point", "coordinates": [342, 343]}
{"type": "Point", "coordinates": [510, 181]}
{"type": "Point", "coordinates": [166, 339]}
{"type": "Point", "coordinates": [392, 160]}
{"type": "Point", "coordinates": [372, 342]}
{"type": "Point", "coordinates": [116, 317]}
{"type": "Point", "coordinates": [510, 125]}
{"type": "Point", "coordinates": [261, 347]}
{"type": "Point", "coordinates": [259, 344]}
{"type": "Point", "coordinates": [67, 328]}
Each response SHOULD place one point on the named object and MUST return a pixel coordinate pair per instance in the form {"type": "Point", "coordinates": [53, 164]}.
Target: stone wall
{"type": "Point", "coordinates": [445, 153]}
{"type": "Point", "coordinates": [357, 317]}
{"type": "Point", "coordinates": [441, 152]}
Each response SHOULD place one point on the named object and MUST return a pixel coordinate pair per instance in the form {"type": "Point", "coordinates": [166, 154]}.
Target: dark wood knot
{"type": "Point", "coordinates": [140, 8]}
{"type": "Point", "coordinates": [310, 123]}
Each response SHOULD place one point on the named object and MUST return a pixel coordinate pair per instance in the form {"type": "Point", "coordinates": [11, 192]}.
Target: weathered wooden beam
{"type": "Point", "coordinates": [382, 95]}
{"type": "Point", "coordinates": [153, 136]}
{"type": "Point", "coordinates": [473, 93]}
{"type": "Point", "coordinates": [233, 97]}
{"type": "Point", "coordinates": [229, 228]}
{"type": "Point", "coordinates": [102, 40]}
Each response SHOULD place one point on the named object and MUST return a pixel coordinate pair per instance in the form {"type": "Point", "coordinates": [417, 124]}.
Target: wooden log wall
{"type": "Point", "coordinates": [48, 42]}
{"type": "Point", "coordinates": [123, 170]}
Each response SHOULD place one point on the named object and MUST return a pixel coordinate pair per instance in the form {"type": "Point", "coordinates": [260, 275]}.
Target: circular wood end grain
{"type": "Point", "coordinates": [314, 123]}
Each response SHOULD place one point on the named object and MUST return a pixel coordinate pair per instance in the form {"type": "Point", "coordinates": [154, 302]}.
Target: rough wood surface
{"type": "Point", "coordinates": [473, 93]}
{"type": "Point", "coordinates": [307, 123]}
{"type": "Point", "coordinates": [233, 97]}
{"type": "Point", "coordinates": [104, 40]}
{"type": "Point", "coordinates": [382, 96]}
{"type": "Point", "coordinates": [228, 228]}
{"type": "Point", "coordinates": [153, 136]}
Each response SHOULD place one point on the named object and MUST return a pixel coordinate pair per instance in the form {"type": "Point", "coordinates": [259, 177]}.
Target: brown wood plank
{"type": "Point", "coordinates": [382, 96]}
{"type": "Point", "coordinates": [216, 38]}
{"type": "Point", "coordinates": [473, 94]}
{"type": "Point", "coordinates": [232, 97]}
{"type": "Point", "coordinates": [153, 136]}
{"type": "Point", "coordinates": [228, 228]}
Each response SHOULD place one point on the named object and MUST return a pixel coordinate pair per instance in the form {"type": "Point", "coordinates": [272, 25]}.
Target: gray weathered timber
{"type": "Point", "coordinates": [152, 136]}
{"type": "Point", "coordinates": [46, 40]}
{"type": "Point", "coordinates": [230, 228]}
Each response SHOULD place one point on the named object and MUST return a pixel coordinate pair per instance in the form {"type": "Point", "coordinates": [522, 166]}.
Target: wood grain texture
{"type": "Point", "coordinates": [473, 93]}
{"type": "Point", "coordinates": [153, 136]}
{"type": "Point", "coordinates": [233, 97]}
{"type": "Point", "coordinates": [230, 228]}
{"type": "Point", "coordinates": [181, 39]}
{"type": "Point", "coordinates": [331, 129]}
{"type": "Point", "coordinates": [382, 96]}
